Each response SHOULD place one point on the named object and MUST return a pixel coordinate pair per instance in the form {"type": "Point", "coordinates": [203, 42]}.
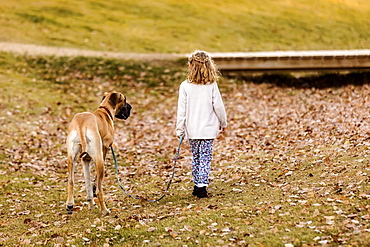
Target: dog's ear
{"type": "Point", "coordinates": [122, 98]}
{"type": "Point", "coordinates": [105, 95]}
{"type": "Point", "coordinates": [114, 99]}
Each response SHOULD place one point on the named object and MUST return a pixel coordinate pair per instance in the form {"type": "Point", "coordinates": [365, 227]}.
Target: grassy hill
{"type": "Point", "coordinates": [171, 26]}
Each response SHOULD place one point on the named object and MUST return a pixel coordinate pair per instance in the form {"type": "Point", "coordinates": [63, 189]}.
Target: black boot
{"type": "Point", "coordinates": [202, 192]}
{"type": "Point", "coordinates": [195, 191]}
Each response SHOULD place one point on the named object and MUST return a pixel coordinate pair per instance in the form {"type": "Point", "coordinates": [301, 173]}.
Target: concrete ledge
{"type": "Point", "coordinates": [293, 60]}
{"type": "Point", "coordinates": [358, 60]}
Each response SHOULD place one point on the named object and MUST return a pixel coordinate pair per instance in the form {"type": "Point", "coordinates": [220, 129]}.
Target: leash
{"type": "Point", "coordinates": [168, 184]}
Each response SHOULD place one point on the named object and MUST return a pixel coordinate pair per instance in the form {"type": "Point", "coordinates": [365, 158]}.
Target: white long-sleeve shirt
{"type": "Point", "coordinates": [200, 111]}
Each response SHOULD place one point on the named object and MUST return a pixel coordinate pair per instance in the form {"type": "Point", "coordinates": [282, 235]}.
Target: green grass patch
{"type": "Point", "coordinates": [169, 26]}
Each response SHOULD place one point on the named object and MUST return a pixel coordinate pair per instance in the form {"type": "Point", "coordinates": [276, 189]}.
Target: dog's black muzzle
{"type": "Point", "coordinates": [124, 113]}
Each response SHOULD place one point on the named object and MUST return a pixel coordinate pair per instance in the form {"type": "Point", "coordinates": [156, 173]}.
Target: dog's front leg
{"type": "Point", "coordinates": [105, 151]}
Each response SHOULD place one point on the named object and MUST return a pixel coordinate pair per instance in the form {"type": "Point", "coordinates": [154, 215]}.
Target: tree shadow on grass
{"type": "Point", "coordinates": [320, 81]}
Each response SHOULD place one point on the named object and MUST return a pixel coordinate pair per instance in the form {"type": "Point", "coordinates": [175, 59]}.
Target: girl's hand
{"type": "Point", "coordinates": [222, 130]}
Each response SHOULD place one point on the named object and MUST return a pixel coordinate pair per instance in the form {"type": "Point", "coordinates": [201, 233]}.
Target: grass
{"type": "Point", "coordinates": [291, 171]}
{"type": "Point", "coordinates": [168, 26]}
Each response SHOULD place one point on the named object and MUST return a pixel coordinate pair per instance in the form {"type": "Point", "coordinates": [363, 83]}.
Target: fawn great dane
{"type": "Point", "coordinates": [89, 138]}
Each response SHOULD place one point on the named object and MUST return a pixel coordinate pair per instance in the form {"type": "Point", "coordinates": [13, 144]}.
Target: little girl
{"type": "Point", "coordinates": [201, 116]}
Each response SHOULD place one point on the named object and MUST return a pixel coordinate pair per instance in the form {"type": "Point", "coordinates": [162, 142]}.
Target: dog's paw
{"type": "Point", "coordinates": [105, 212]}
{"type": "Point", "coordinates": [92, 204]}
{"type": "Point", "coordinates": [69, 209]}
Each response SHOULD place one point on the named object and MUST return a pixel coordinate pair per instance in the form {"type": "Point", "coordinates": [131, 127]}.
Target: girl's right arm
{"type": "Point", "coordinates": [219, 108]}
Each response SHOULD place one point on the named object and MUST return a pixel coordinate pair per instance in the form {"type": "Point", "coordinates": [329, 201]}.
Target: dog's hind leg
{"type": "Point", "coordinates": [105, 150]}
{"type": "Point", "coordinates": [99, 181]}
{"type": "Point", "coordinates": [73, 150]}
{"type": "Point", "coordinates": [89, 189]}
{"type": "Point", "coordinates": [70, 199]}
{"type": "Point", "coordinates": [97, 157]}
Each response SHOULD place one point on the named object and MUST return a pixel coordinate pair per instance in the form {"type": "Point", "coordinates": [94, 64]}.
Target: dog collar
{"type": "Point", "coordinates": [107, 110]}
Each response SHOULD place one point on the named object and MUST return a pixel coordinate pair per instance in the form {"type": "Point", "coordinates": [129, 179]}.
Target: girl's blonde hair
{"type": "Point", "coordinates": [202, 69]}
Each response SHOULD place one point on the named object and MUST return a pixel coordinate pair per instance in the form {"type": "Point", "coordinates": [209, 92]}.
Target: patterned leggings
{"type": "Point", "coordinates": [201, 163]}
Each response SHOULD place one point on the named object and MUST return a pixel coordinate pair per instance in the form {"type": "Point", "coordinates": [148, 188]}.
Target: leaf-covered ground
{"type": "Point", "coordinates": [292, 169]}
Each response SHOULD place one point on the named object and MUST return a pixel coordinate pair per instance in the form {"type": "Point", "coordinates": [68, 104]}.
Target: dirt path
{"type": "Point", "coordinates": [62, 51]}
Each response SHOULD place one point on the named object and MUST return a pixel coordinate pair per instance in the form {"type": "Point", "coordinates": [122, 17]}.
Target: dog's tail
{"type": "Point", "coordinates": [84, 155]}
{"type": "Point", "coordinates": [82, 134]}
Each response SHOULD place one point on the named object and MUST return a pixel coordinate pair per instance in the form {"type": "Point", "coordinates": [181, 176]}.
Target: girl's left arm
{"type": "Point", "coordinates": [219, 107]}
